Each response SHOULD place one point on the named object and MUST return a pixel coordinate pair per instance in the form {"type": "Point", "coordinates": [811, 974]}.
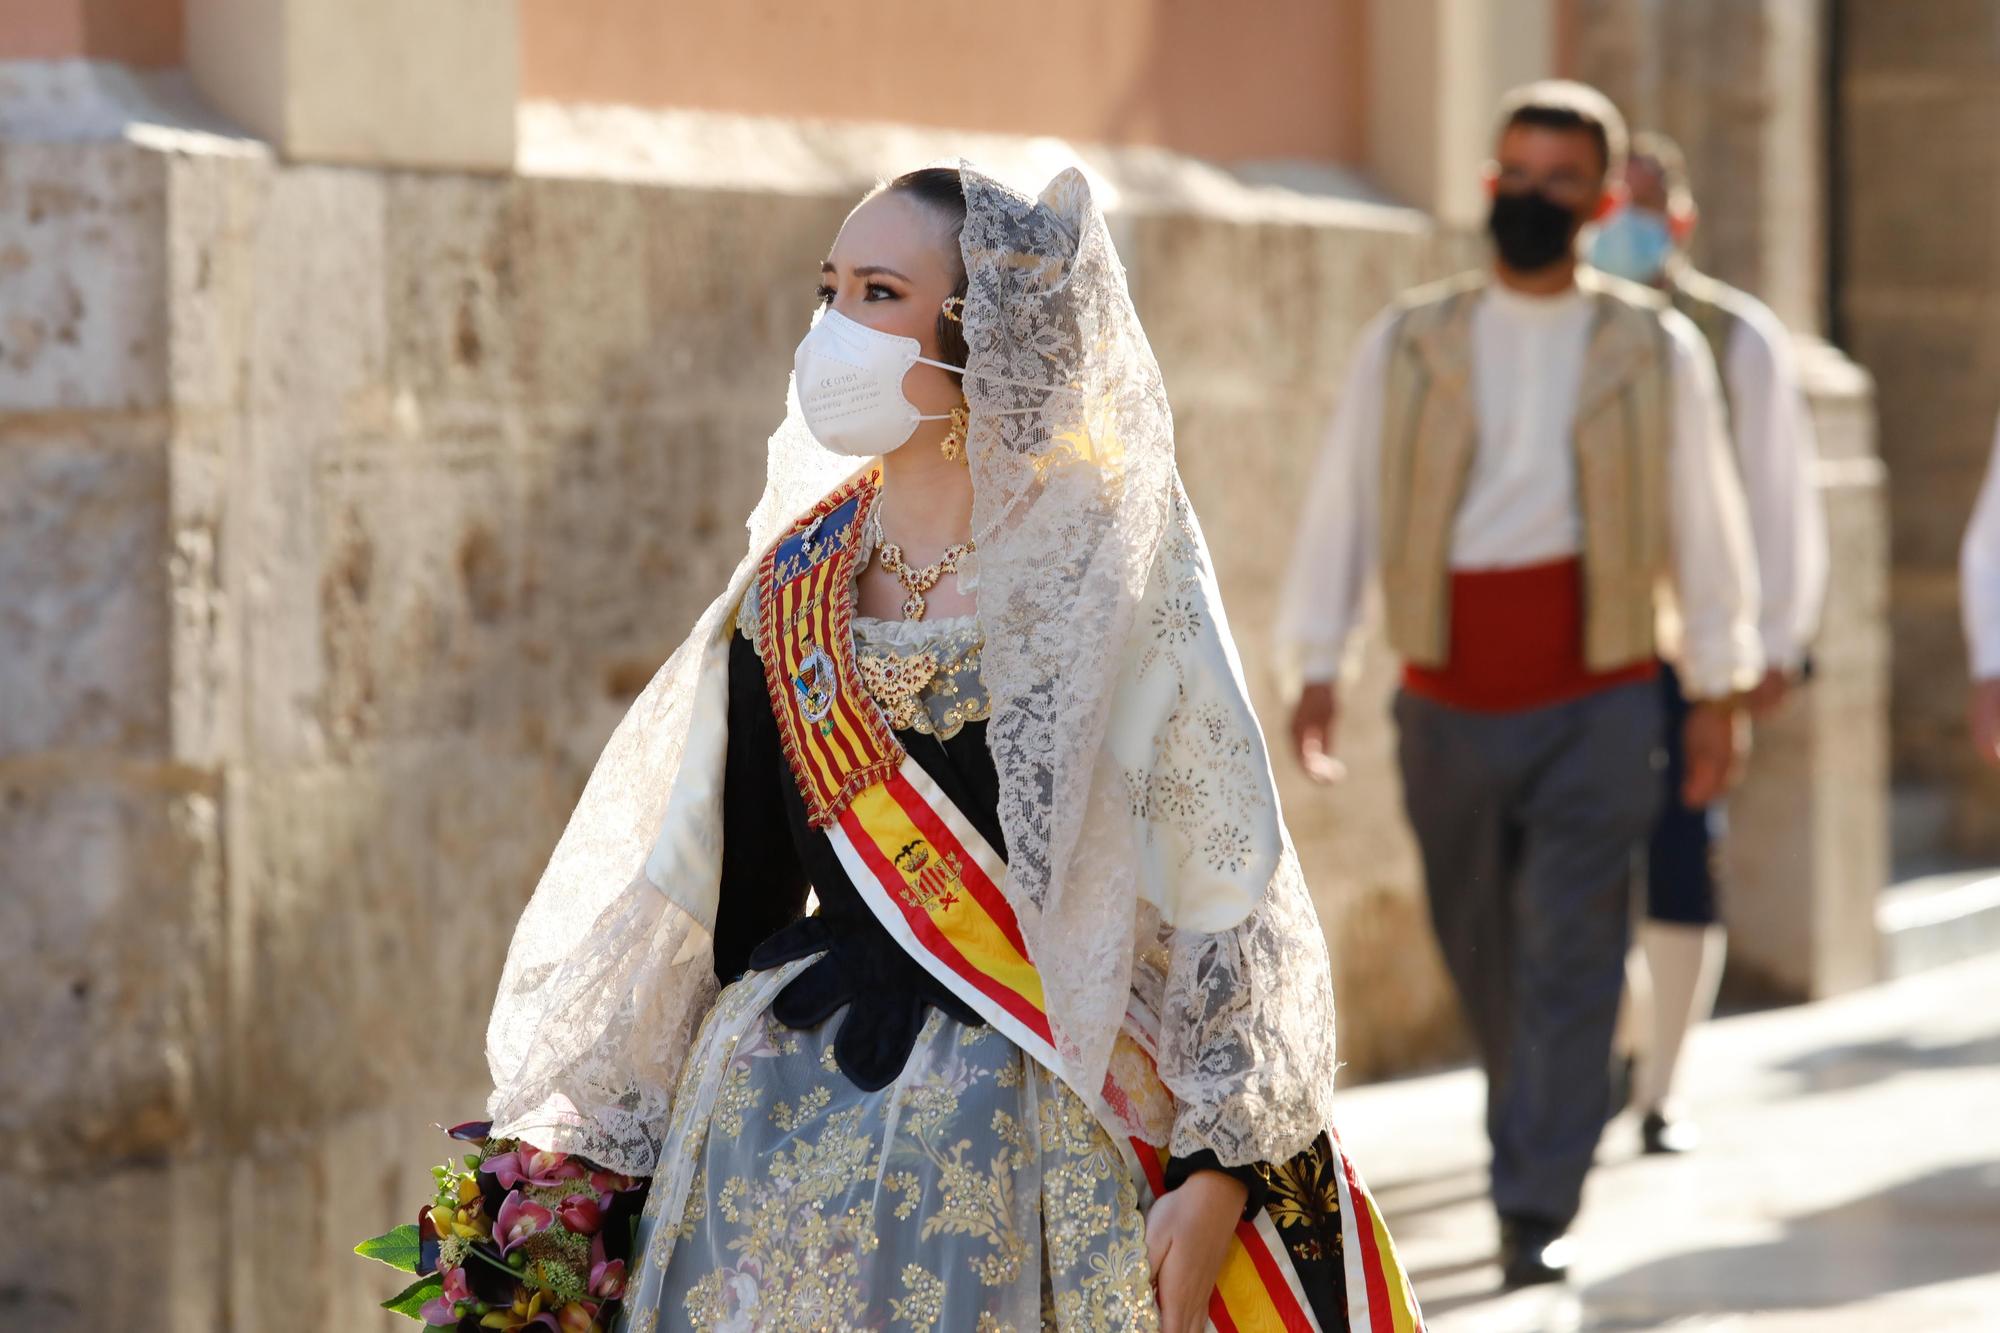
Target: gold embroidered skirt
{"type": "Point", "coordinates": [974, 1193]}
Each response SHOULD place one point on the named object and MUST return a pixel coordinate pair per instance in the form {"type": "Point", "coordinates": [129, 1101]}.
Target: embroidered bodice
{"type": "Point", "coordinates": [923, 674]}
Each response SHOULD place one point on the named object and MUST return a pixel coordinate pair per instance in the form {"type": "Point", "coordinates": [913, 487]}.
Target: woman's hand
{"type": "Point", "coordinates": [1187, 1238]}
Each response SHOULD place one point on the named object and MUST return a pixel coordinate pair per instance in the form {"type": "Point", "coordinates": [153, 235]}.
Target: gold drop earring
{"type": "Point", "coordinates": [952, 446]}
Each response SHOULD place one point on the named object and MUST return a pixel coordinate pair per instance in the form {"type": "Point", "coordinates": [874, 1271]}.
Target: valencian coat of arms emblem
{"type": "Point", "coordinates": [929, 880]}
{"type": "Point", "coordinates": [817, 683]}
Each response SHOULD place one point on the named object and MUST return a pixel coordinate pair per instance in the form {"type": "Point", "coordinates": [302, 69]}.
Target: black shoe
{"type": "Point", "coordinates": [1661, 1135]}
{"type": "Point", "coordinates": [1532, 1252]}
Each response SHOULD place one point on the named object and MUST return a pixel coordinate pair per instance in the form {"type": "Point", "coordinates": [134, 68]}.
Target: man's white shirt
{"type": "Point", "coordinates": [1520, 505]}
{"type": "Point", "coordinates": [1777, 453]}
{"type": "Point", "coordinates": [1979, 574]}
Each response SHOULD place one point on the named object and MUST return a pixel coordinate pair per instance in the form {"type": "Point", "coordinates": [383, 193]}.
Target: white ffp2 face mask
{"type": "Point", "coordinates": [850, 384]}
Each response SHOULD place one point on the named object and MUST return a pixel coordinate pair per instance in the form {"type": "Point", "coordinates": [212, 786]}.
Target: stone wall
{"type": "Point", "coordinates": [1919, 304]}
{"type": "Point", "coordinates": [346, 510]}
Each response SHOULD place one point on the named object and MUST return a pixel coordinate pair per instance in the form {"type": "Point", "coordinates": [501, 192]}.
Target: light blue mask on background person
{"type": "Point", "coordinates": [1634, 244]}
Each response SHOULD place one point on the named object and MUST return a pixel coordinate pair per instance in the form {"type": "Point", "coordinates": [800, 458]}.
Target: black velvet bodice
{"type": "Point", "coordinates": [771, 856]}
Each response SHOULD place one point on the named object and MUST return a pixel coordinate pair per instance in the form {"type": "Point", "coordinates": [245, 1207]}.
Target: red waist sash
{"type": "Point", "coordinates": [1517, 642]}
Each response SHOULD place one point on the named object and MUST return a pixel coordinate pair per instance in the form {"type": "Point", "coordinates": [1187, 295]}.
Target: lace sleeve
{"type": "Point", "coordinates": [1246, 1029]}
{"type": "Point", "coordinates": [1239, 974]}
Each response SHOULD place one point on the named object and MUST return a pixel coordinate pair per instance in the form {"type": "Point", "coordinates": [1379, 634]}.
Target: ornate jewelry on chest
{"type": "Point", "coordinates": [916, 582]}
{"type": "Point", "coordinates": [898, 684]}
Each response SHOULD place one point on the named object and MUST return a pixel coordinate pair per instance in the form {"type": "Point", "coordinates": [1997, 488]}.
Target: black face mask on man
{"type": "Point", "coordinates": [1531, 230]}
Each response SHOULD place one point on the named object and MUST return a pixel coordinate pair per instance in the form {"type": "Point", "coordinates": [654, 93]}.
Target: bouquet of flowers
{"type": "Point", "coordinates": [516, 1239]}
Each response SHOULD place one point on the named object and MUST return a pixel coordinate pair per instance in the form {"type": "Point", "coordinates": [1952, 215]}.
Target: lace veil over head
{"type": "Point", "coordinates": [1147, 858]}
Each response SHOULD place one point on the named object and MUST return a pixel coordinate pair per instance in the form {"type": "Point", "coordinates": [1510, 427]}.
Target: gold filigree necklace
{"type": "Point", "coordinates": [916, 582]}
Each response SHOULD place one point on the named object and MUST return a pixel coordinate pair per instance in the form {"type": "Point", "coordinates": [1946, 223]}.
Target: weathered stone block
{"type": "Point", "coordinates": [318, 326]}
{"type": "Point", "coordinates": [82, 277]}
{"type": "Point", "coordinates": [1298, 296]}
{"type": "Point", "coordinates": [729, 279]}
{"type": "Point", "coordinates": [377, 897]}
{"type": "Point", "coordinates": [1933, 367]}
{"type": "Point", "coordinates": [453, 297]}
{"type": "Point", "coordinates": [652, 501]}
{"type": "Point", "coordinates": [366, 1173]}
{"type": "Point", "coordinates": [1930, 677]}
{"type": "Point", "coordinates": [1921, 36]}
{"type": "Point", "coordinates": [216, 205]}
{"type": "Point", "coordinates": [1899, 233]}
{"type": "Point", "coordinates": [111, 902]}
{"type": "Point", "coordinates": [83, 585]}
{"type": "Point", "coordinates": [422, 592]}
{"type": "Point", "coordinates": [1808, 850]}
{"type": "Point", "coordinates": [441, 78]}
{"type": "Point", "coordinates": [575, 254]}
{"type": "Point", "coordinates": [204, 634]}
{"type": "Point", "coordinates": [128, 1245]}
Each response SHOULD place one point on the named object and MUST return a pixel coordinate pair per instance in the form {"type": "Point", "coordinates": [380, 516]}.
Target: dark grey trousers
{"type": "Point", "coordinates": [1532, 826]}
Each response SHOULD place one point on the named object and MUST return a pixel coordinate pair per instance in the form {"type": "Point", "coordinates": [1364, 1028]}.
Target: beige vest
{"type": "Point", "coordinates": [1710, 306]}
{"type": "Point", "coordinates": [1430, 424]}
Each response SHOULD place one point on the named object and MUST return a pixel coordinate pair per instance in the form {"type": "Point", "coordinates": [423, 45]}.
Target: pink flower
{"type": "Point", "coordinates": [532, 1165]}
{"type": "Point", "coordinates": [519, 1220]}
{"type": "Point", "coordinates": [577, 1317]}
{"type": "Point", "coordinates": [442, 1310]}
{"type": "Point", "coordinates": [607, 1276]}
{"type": "Point", "coordinates": [583, 1214]}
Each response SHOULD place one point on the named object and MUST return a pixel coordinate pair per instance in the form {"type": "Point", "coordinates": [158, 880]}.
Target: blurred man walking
{"type": "Point", "coordinates": [1531, 456]}
{"type": "Point", "coordinates": [1681, 940]}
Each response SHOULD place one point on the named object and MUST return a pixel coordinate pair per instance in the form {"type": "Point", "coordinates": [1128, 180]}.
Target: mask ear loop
{"type": "Point", "coordinates": [997, 379]}
{"type": "Point", "coordinates": [953, 309]}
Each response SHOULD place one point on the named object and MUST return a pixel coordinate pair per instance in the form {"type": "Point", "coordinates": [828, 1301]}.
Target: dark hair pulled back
{"type": "Point", "coordinates": [943, 189]}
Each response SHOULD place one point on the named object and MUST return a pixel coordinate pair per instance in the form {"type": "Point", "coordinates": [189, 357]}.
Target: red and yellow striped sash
{"type": "Point", "coordinates": [835, 739]}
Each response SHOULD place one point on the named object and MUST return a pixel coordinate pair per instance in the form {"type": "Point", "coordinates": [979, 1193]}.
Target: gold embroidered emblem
{"type": "Point", "coordinates": [930, 883]}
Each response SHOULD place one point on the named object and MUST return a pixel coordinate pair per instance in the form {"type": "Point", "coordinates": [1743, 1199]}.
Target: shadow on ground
{"type": "Point", "coordinates": [1840, 1068]}
{"type": "Point", "coordinates": [1930, 1229]}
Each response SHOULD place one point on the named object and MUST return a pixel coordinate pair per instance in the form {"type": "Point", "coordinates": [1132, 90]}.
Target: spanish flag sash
{"type": "Point", "coordinates": [935, 883]}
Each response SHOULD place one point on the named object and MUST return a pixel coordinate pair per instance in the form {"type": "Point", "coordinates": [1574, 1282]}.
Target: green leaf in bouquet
{"type": "Point", "coordinates": [400, 1249]}
{"type": "Point", "coordinates": [412, 1299]}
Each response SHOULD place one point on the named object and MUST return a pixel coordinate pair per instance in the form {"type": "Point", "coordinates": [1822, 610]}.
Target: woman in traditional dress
{"type": "Point", "coordinates": [929, 930]}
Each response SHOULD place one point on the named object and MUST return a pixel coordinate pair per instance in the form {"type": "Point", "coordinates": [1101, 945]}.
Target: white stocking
{"type": "Point", "coordinates": [1685, 966]}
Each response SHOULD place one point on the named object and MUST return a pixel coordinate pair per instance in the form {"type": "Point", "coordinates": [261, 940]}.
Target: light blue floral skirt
{"type": "Point", "coordinates": [974, 1193]}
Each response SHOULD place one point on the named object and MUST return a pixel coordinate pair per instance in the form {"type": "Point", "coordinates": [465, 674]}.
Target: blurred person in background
{"type": "Point", "coordinates": [1681, 939]}
{"type": "Point", "coordinates": [1979, 593]}
{"type": "Point", "coordinates": [1532, 456]}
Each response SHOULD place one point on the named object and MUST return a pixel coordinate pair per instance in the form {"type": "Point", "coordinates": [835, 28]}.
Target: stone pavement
{"type": "Point", "coordinates": [1850, 1179]}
